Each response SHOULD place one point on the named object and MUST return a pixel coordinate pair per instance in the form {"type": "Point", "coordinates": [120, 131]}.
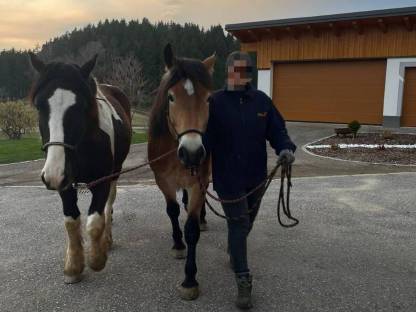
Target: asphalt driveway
{"type": "Point", "coordinates": [354, 250]}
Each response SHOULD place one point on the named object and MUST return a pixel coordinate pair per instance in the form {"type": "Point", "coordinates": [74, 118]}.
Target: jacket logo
{"type": "Point", "coordinates": [264, 114]}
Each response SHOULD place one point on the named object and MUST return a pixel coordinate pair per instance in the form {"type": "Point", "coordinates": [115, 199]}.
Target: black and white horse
{"type": "Point", "coordinates": [86, 132]}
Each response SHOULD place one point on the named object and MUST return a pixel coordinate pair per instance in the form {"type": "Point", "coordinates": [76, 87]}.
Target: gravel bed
{"type": "Point", "coordinates": [395, 156]}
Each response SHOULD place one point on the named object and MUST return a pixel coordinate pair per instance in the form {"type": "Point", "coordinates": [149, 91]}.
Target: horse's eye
{"type": "Point", "coordinates": [171, 98]}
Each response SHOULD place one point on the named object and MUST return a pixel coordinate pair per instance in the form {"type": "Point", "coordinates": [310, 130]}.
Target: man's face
{"type": "Point", "coordinates": [239, 74]}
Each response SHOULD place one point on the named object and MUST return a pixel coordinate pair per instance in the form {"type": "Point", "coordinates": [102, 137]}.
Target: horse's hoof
{"type": "Point", "coordinates": [178, 253]}
{"type": "Point", "coordinates": [97, 263]}
{"type": "Point", "coordinates": [188, 293]}
{"type": "Point", "coordinates": [72, 279]}
{"type": "Point", "coordinates": [203, 227]}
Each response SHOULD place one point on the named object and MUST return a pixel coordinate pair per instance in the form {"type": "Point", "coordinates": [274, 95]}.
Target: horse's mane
{"type": "Point", "coordinates": [67, 74]}
{"type": "Point", "coordinates": [183, 68]}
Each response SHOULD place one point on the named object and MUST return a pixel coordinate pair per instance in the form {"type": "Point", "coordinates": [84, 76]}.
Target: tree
{"type": "Point", "coordinates": [127, 74]}
{"type": "Point", "coordinates": [120, 39]}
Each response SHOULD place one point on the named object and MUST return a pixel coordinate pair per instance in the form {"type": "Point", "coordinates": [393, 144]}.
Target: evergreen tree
{"type": "Point", "coordinates": [120, 39]}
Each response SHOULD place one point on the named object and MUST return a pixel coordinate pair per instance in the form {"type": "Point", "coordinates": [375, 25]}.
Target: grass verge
{"type": "Point", "coordinates": [28, 148]}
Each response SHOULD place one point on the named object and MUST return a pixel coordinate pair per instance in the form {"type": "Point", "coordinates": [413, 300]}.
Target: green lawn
{"type": "Point", "coordinates": [28, 148]}
{"type": "Point", "coordinates": [139, 137]}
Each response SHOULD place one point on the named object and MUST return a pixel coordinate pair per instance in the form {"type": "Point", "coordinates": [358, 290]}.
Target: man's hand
{"type": "Point", "coordinates": [286, 157]}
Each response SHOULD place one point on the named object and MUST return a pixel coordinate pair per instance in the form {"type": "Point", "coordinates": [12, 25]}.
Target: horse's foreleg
{"type": "Point", "coordinates": [108, 210]}
{"type": "Point", "coordinates": [74, 255]}
{"type": "Point", "coordinates": [173, 211]}
{"type": "Point", "coordinates": [185, 199]}
{"type": "Point", "coordinates": [96, 227]}
{"type": "Point", "coordinates": [189, 289]}
{"type": "Point", "coordinates": [203, 226]}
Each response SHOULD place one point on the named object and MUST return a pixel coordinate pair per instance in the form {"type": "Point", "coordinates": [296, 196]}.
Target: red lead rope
{"type": "Point", "coordinates": [88, 186]}
{"type": "Point", "coordinates": [286, 173]}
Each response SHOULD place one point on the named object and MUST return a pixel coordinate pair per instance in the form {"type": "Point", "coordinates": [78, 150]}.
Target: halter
{"type": "Point", "coordinates": [179, 135]}
{"type": "Point", "coordinates": [74, 148]}
{"type": "Point", "coordinates": [65, 145]}
{"type": "Point", "coordinates": [194, 170]}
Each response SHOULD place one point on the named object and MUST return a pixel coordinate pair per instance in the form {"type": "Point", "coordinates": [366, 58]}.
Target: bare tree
{"type": "Point", "coordinates": [127, 74]}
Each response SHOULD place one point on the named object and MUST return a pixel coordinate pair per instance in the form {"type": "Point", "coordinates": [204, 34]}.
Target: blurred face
{"type": "Point", "coordinates": [239, 74]}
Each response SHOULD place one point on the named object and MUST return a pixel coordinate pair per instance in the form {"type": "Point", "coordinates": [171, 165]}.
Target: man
{"type": "Point", "coordinates": [241, 120]}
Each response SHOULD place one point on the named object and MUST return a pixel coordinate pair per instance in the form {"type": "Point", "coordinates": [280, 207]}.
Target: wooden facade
{"type": "Point", "coordinates": [337, 68]}
{"type": "Point", "coordinates": [372, 42]}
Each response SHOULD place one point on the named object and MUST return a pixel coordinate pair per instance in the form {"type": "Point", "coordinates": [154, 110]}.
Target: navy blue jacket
{"type": "Point", "coordinates": [239, 124]}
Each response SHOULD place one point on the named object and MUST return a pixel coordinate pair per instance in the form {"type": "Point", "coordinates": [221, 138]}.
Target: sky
{"type": "Point", "coordinates": [27, 23]}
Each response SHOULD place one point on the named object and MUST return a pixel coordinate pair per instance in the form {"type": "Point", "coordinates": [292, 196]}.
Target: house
{"type": "Point", "coordinates": [337, 68]}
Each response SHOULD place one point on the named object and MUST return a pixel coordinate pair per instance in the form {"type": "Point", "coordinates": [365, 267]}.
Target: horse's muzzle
{"type": "Point", "coordinates": [192, 158]}
{"type": "Point", "coordinates": [51, 185]}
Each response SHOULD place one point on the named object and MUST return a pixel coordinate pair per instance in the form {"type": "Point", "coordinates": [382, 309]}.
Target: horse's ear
{"type": "Point", "coordinates": [87, 68]}
{"type": "Point", "coordinates": [209, 63]}
{"type": "Point", "coordinates": [169, 56]}
{"type": "Point", "coordinates": [37, 64]}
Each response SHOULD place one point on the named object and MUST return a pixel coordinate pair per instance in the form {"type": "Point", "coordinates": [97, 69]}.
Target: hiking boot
{"type": "Point", "coordinates": [244, 284]}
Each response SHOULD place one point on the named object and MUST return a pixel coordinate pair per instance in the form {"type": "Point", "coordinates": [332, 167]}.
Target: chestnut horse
{"type": "Point", "coordinates": [86, 133]}
{"type": "Point", "coordinates": [178, 120]}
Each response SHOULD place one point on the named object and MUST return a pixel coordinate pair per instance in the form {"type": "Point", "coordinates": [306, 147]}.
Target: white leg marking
{"type": "Point", "coordinates": [54, 168]}
{"type": "Point", "coordinates": [94, 221]}
{"type": "Point", "coordinates": [74, 257]}
{"type": "Point", "coordinates": [99, 246]}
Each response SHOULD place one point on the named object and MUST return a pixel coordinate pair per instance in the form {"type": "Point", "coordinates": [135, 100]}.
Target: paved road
{"type": "Point", "coordinates": [355, 250]}
{"type": "Point", "coordinates": [301, 133]}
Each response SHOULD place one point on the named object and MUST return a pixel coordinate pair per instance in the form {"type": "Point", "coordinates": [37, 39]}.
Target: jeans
{"type": "Point", "coordinates": [242, 216]}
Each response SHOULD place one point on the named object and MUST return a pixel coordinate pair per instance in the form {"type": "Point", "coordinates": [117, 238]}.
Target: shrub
{"type": "Point", "coordinates": [16, 118]}
{"type": "Point", "coordinates": [387, 135]}
{"type": "Point", "coordinates": [334, 147]}
{"type": "Point", "coordinates": [355, 127]}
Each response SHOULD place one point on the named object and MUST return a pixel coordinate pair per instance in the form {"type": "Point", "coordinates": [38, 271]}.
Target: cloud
{"type": "Point", "coordinates": [24, 23]}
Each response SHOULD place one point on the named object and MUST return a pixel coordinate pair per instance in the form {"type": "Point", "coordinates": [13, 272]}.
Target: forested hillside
{"type": "Point", "coordinates": [129, 52]}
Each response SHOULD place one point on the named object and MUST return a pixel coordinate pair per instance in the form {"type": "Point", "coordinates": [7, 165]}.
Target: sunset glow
{"type": "Point", "coordinates": [27, 23]}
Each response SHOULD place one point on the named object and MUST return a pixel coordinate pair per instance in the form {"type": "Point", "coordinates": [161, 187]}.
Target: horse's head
{"type": "Point", "coordinates": [63, 96]}
{"type": "Point", "coordinates": [188, 86]}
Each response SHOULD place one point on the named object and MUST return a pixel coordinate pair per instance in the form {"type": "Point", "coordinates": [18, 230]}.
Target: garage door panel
{"type": "Point", "coordinates": [409, 98]}
{"type": "Point", "coordinates": [331, 91]}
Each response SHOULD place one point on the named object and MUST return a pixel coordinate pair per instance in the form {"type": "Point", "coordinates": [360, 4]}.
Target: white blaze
{"type": "Point", "coordinates": [54, 168]}
{"type": "Point", "coordinates": [189, 87]}
{"type": "Point", "coordinates": [106, 113]}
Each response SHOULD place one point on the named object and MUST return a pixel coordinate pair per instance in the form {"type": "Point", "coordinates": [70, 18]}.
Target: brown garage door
{"type": "Point", "coordinates": [330, 91]}
{"type": "Point", "coordinates": [409, 98]}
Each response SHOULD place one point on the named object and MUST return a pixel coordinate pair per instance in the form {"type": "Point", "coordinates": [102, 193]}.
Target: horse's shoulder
{"type": "Point", "coordinates": [116, 93]}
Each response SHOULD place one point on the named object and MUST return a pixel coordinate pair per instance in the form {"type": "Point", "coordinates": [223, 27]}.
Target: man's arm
{"type": "Point", "coordinates": [276, 132]}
